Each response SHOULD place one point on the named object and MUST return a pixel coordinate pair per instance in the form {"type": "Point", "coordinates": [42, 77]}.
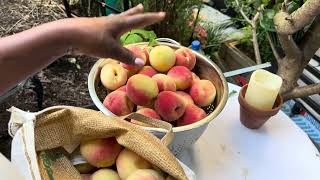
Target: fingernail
{"type": "Point", "coordinates": [162, 14]}
{"type": "Point", "coordinates": [139, 62]}
{"type": "Point", "coordinates": [140, 5]}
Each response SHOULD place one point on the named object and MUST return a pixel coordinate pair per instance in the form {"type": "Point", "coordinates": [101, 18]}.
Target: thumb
{"type": "Point", "coordinates": [124, 55]}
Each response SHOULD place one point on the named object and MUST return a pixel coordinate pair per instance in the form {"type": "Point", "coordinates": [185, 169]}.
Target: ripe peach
{"type": "Point", "coordinates": [129, 162]}
{"type": "Point", "coordinates": [100, 152]}
{"type": "Point", "coordinates": [122, 88]}
{"type": "Point", "coordinates": [108, 61]}
{"type": "Point", "coordinates": [203, 93]}
{"type": "Point", "coordinates": [192, 114]}
{"type": "Point", "coordinates": [146, 50]}
{"type": "Point", "coordinates": [118, 103]}
{"type": "Point", "coordinates": [187, 99]}
{"type": "Point", "coordinates": [103, 174]}
{"type": "Point", "coordinates": [182, 76]}
{"type": "Point", "coordinates": [147, 112]}
{"type": "Point", "coordinates": [164, 82]}
{"type": "Point", "coordinates": [138, 52]}
{"type": "Point", "coordinates": [162, 58]}
{"type": "Point", "coordinates": [185, 57]}
{"type": "Point", "coordinates": [145, 174]}
{"type": "Point", "coordinates": [141, 89]}
{"type": "Point", "coordinates": [148, 71]}
{"type": "Point", "coordinates": [113, 76]}
{"type": "Point", "coordinates": [131, 69]}
{"type": "Point", "coordinates": [169, 105]}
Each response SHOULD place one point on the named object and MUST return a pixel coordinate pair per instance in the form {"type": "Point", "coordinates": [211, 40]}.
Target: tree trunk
{"type": "Point", "coordinates": [289, 69]}
{"type": "Point", "coordinates": [296, 58]}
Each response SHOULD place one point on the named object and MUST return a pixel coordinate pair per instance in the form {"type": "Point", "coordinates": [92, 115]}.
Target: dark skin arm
{"type": "Point", "coordinates": [26, 53]}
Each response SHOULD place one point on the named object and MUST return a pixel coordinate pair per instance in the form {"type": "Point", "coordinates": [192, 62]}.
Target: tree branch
{"type": "Point", "coordinates": [274, 51]}
{"type": "Point", "coordinates": [304, 91]}
{"type": "Point", "coordinates": [253, 24]}
{"type": "Point", "coordinates": [311, 41]}
{"type": "Point", "coordinates": [254, 35]}
{"type": "Point", "coordinates": [242, 13]}
{"type": "Point", "coordinates": [290, 23]}
{"type": "Point", "coordinates": [289, 47]}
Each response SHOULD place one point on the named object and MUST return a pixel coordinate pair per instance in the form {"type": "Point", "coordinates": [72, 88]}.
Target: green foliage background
{"type": "Point", "coordinates": [179, 14]}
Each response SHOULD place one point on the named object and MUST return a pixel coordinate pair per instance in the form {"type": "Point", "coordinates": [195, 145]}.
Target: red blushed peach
{"type": "Point", "coordinates": [103, 174]}
{"type": "Point", "coordinates": [129, 162]}
{"type": "Point", "coordinates": [145, 174]}
{"type": "Point", "coordinates": [131, 69]}
{"type": "Point", "coordinates": [113, 76]}
{"type": "Point", "coordinates": [191, 115]}
{"type": "Point", "coordinates": [142, 89]}
{"type": "Point", "coordinates": [169, 106]}
{"type": "Point", "coordinates": [100, 152]}
{"type": "Point", "coordinates": [146, 50]}
{"type": "Point", "coordinates": [122, 88]}
{"type": "Point", "coordinates": [118, 103]}
{"type": "Point", "coordinates": [182, 76]}
{"type": "Point", "coordinates": [164, 82]}
{"type": "Point", "coordinates": [187, 99]}
{"type": "Point", "coordinates": [146, 112]}
{"type": "Point", "coordinates": [185, 57]}
{"type": "Point", "coordinates": [148, 71]}
{"type": "Point", "coordinates": [138, 52]}
{"type": "Point", "coordinates": [162, 58]}
{"type": "Point", "coordinates": [203, 93]}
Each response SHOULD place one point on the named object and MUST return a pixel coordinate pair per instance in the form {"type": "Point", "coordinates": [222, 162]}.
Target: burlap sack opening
{"type": "Point", "coordinates": [58, 127]}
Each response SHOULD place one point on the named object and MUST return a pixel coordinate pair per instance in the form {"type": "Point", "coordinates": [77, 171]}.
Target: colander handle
{"type": "Point", "coordinates": [167, 138]}
{"type": "Point", "coordinates": [168, 40]}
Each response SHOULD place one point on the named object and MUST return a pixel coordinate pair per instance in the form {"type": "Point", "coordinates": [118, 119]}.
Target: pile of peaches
{"type": "Point", "coordinates": [109, 160]}
{"type": "Point", "coordinates": [165, 88]}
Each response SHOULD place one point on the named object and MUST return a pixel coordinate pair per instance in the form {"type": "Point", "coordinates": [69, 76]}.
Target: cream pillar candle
{"type": "Point", "coordinates": [263, 89]}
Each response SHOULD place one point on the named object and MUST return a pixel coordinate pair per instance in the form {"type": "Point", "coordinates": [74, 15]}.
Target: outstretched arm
{"type": "Point", "coordinates": [25, 53]}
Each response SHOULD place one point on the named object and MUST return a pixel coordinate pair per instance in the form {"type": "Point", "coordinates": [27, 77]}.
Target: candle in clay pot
{"type": "Point", "coordinates": [263, 89]}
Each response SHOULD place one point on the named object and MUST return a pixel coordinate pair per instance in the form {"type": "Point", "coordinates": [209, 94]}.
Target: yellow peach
{"type": "Point", "coordinates": [129, 162]}
{"type": "Point", "coordinates": [142, 89]}
{"type": "Point", "coordinates": [162, 58]}
{"type": "Point", "coordinates": [100, 152]}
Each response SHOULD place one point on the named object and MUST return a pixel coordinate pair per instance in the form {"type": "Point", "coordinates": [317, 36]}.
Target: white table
{"type": "Point", "coordinates": [227, 150]}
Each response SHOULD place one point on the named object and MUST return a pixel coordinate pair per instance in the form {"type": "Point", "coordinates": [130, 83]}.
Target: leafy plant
{"type": "Point", "coordinates": [215, 37]}
{"type": "Point", "coordinates": [178, 16]}
{"type": "Point", "coordinates": [138, 35]}
{"type": "Point", "coordinates": [265, 24]}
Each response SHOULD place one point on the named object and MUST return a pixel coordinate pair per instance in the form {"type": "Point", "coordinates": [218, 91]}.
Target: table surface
{"type": "Point", "coordinates": [227, 150]}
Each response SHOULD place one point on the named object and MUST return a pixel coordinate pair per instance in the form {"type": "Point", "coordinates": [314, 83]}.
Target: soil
{"type": "Point", "coordinates": [62, 82]}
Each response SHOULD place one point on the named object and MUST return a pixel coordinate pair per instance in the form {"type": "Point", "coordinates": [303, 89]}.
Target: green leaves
{"type": "Point", "coordinates": [266, 21]}
{"type": "Point", "coordinates": [293, 5]}
{"type": "Point", "coordinates": [138, 35]}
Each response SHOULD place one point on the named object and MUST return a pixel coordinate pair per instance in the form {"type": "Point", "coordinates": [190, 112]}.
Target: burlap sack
{"type": "Point", "coordinates": [63, 126]}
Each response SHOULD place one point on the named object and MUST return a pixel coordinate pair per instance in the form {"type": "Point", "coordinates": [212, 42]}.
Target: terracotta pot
{"type": "Point", "coordinates": [252, 117]}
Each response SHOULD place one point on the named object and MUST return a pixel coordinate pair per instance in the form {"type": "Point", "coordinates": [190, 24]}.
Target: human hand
{"type": "Point", "coordinates": [100, 36]}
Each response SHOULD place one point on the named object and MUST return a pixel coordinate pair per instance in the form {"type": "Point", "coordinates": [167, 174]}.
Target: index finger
{"type": "Point", "coordinates": [141, 20]}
